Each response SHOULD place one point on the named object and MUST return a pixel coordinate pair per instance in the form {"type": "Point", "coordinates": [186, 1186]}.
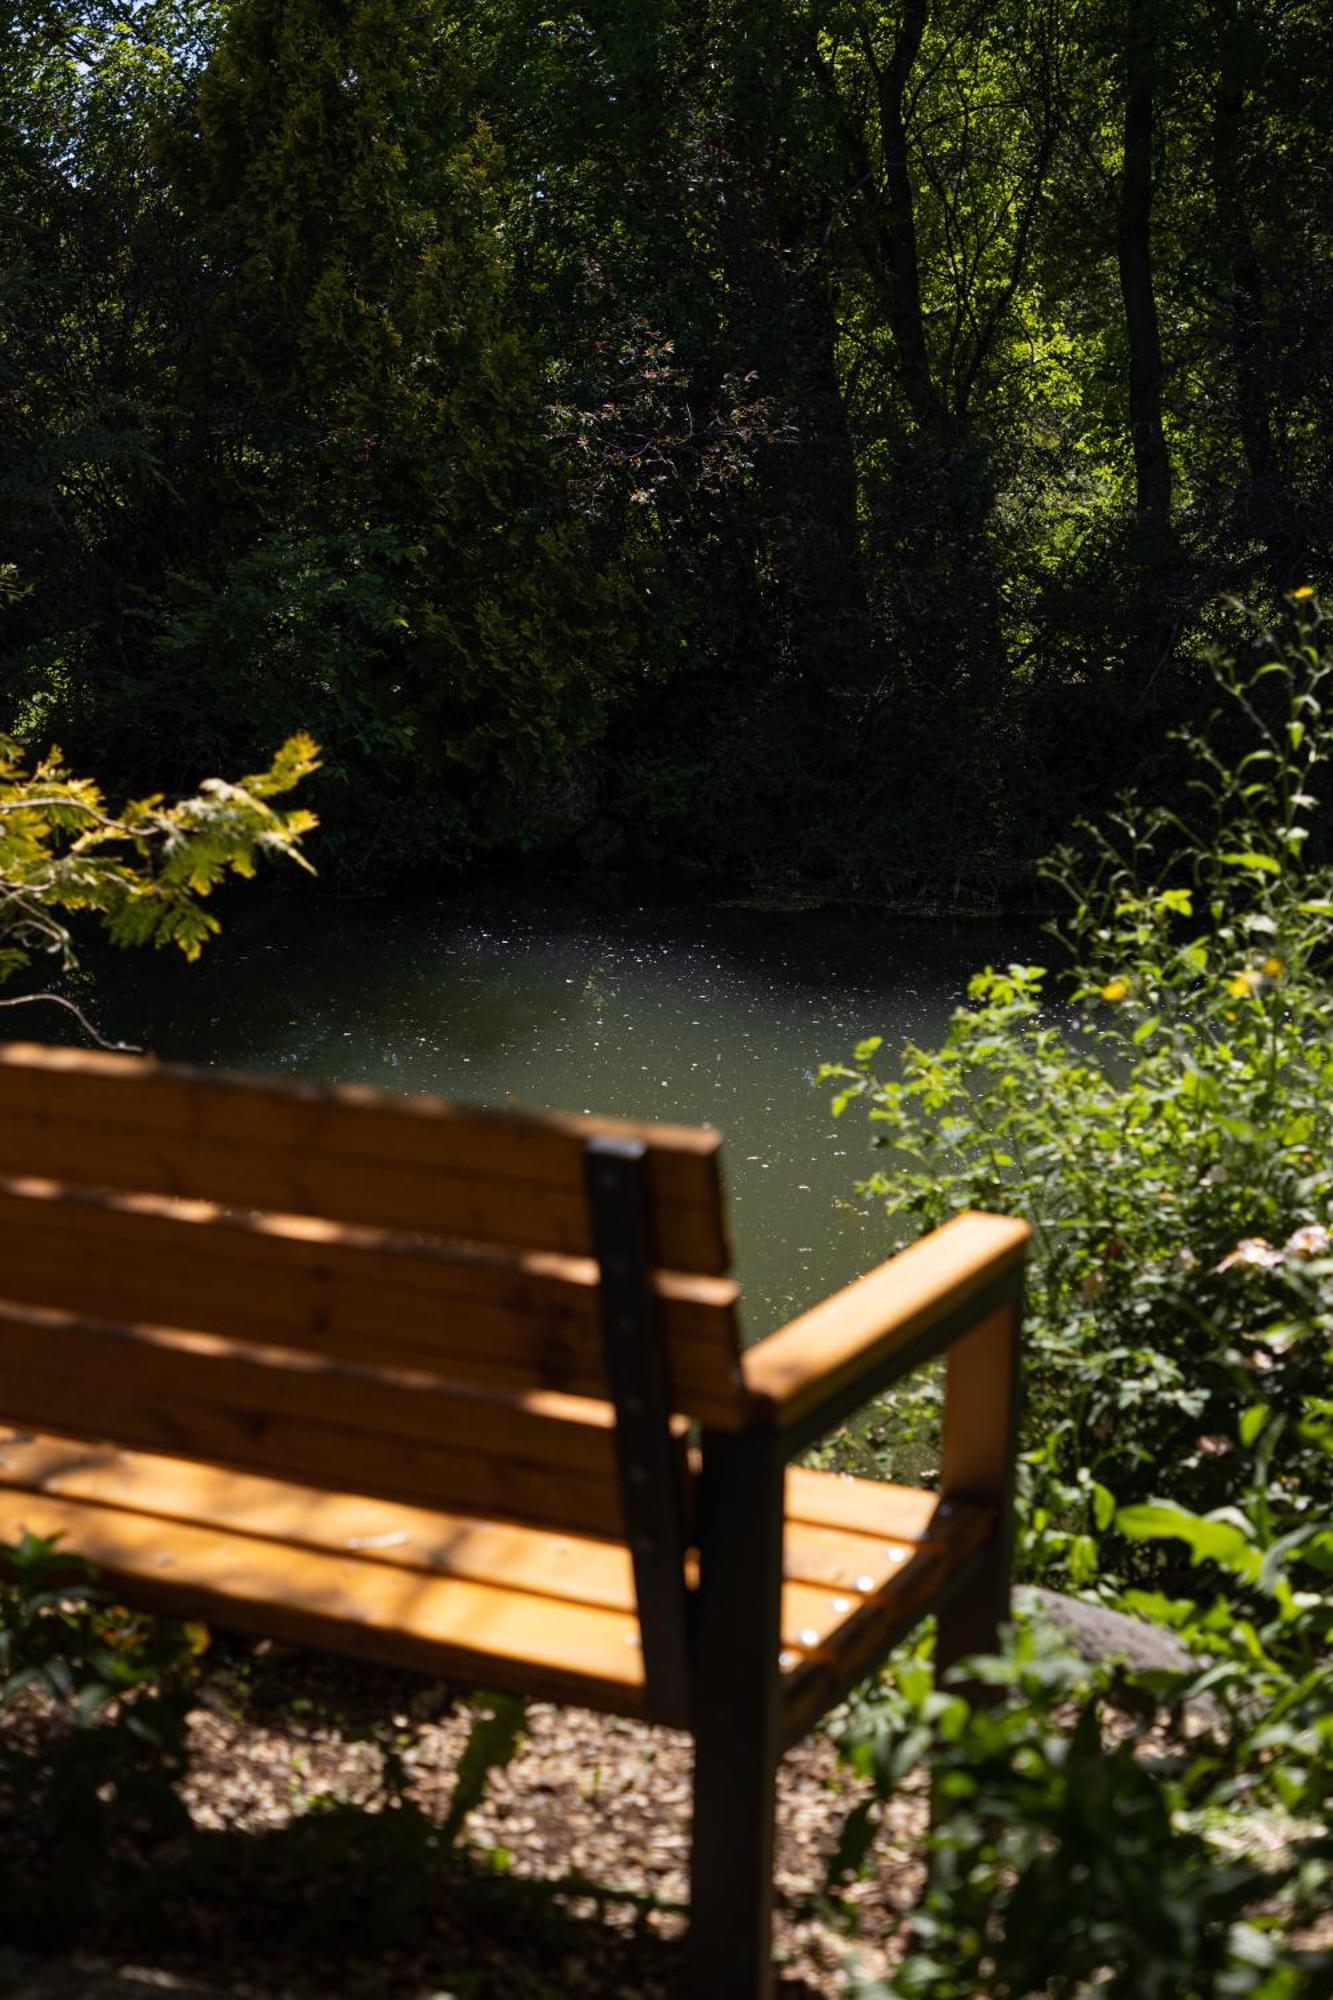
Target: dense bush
{"type": "Point", "coordinates": [1162, 1112]}
{"type": "Point", "coordinates": [1079, 1846]}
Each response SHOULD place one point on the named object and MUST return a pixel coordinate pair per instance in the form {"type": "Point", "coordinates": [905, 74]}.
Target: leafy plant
{"type": "Point", "coordinates": [493, 1741]}
{"type": "Point", "coordinates": [1072, 1852]}
{"type": "Point", "coordinates": [122, 1684]}
{"type": "Point", "coordinates": [1163, 1116]}
{"type": "Point", "coordinates": [145, 871]}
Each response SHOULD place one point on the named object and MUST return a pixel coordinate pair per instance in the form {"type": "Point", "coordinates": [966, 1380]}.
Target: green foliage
{"type": "Point", "coordinates": [404, 557]}
{"type": "Point", "coordinates": [122, 1684]}
{"type": "Point", "coordinates": [1167, 1127]}
{"type": "Point", "coordinates": [1074, 1852]}
{"type": "Point", "coordinates": [1265, 1631]}
{"type": "Point", "coordinates": [1164, 1119]}
{"type": "Point", "coordinates": [706, 434]}
{"type": "Point", "coordinates": [1079, 1844]}
{"type": "Point", "coordinates": [340, 509]}
{"type": "Point", "coordinates": [144, 871]}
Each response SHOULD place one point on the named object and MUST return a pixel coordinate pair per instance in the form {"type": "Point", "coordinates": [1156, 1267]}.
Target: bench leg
{"type": "Point", "coordinates": [970, 1622]}
{"type": "Point", "coordinates": [980, 1448]}
{"type": "Point", "coordinates": [729, 1955]}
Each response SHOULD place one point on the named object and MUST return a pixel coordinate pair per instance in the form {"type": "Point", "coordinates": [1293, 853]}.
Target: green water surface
{"type": "Point", "coordinates": [705, 1014]}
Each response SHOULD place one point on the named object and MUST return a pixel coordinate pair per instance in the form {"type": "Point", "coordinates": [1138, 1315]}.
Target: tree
{"type": "Point", "coordinates": [765, 435]}
{"type": "Point", "coordinates": [376, 451]}
{"type": "Point", "coordinates": [95, 287]}
{"type": "Point", "coordinates": [334, 500]}
{"type": "Point", "coordinates": [942, 125]}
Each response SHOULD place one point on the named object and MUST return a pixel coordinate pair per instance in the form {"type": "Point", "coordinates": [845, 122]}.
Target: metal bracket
{"type": "Point", "coordinates": [616, 1176]}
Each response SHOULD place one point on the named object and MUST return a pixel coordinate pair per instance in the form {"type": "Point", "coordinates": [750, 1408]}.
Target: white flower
{"type": "Point", "coordinates": [1312, 1240]}
{"type": "Point", "coordinates": [1255, 1251]}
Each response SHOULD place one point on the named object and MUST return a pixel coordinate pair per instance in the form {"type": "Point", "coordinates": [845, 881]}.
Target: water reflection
{"type": "Point", "coordinates": [710, 1015]}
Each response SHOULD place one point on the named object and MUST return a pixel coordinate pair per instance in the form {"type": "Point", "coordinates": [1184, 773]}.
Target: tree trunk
{"type": "Point", "coordinates": [783, 326]}
{"type": "Point", "coordinates": [1152, 464]}
{"type": "Point", "coordinates": [904, 269]}
{"type": "Point", "coordinates": [1268, 501]}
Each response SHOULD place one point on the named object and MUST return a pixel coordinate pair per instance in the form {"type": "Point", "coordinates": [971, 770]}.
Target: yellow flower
{"type": "Point", "coordinates": [1272, 968]}
{"type": "Point", "coordinates": [1305, 590]}
{"type": "Point", "coordinates": [1116, 989]}
{"type": "Point", "coordinates": [1244, 983]}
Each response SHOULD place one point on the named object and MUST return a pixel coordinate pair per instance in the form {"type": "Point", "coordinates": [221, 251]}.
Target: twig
{"type": "Point", "coordinates": [59, 1000]}
{"type": "Point", "coordinates": [66, 804]}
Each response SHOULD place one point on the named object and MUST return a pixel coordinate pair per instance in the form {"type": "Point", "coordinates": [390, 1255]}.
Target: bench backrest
{"type": "Point", "coordinates": [396, 1296]}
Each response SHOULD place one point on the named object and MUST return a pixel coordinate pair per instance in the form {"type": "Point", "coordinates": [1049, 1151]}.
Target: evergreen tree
{"type": "Point", "coordinates": [389, 557]}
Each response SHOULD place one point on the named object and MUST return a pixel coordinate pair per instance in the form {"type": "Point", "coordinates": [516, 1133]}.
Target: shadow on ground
{"type": "Point", "coordinates": [345, 1903]}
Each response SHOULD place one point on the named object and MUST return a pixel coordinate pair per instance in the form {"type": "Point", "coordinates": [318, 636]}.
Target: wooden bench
{"type": "Point", "coordinates": [462, 1391]}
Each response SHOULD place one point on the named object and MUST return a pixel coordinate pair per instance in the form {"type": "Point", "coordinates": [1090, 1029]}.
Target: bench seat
{"type": "Point", "coordinates": [477, 1601]}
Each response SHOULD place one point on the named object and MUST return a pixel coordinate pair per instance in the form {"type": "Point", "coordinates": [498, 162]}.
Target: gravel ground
{"type": "Point", "coordinates": [301, 1881]}
{"type": "Point", "coordinates": [300, 1884]}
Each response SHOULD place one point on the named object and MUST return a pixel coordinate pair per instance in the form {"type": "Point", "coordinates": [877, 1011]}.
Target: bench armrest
{"type": "Point", "coordinates": [804, 1379]}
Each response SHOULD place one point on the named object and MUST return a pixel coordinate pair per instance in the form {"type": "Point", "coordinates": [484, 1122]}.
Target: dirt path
{"type": "Point", "coordinates": [300, 1882]}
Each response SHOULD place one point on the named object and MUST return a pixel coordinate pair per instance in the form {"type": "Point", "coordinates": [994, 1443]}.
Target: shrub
{"type": "Point", "coordinates": [1162, 1113]}
{"type": "Point", "coordinates": [1076, 1851]}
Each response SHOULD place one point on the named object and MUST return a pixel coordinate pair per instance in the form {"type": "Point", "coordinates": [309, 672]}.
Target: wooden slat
{"type": "Point", "coordinates": [863, 1506]}
{"type": "Point", "coordinates": [817, 1676]}
{"type": "Point", "coordinates": [830, 1571]}
{"type": "Point", "coordinates": [507, 1605]}
{"type": "Point", "coordinates": [357, 1294]}
{"type": "Point", "coordinates": [953, 1541]}
{"type": "Point", "coordinates": [536, 1560]}
{"type": "Point", "coordinates": [861, 1327]}
{"type": "Point", "coordinates": [450, 1628]}
{"type": "Point", "coordinates": [888, 1526]}
{"type": "Point", "coordinates": [839, 1560]}
{"type": "Point", "coordinates": [348, 1153]}
{"type": "Point", "coordinates": [890, 1517]}
{"type": "Point", "coordinates": [543, 1457]}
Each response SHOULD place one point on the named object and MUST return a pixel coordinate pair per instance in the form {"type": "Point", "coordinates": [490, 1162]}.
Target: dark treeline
{"type": "Point", "coordinates": [803, 437]}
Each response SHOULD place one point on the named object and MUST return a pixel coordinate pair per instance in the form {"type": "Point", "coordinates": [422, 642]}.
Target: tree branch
{"type": "Point", "coordinates": [59, 1000]}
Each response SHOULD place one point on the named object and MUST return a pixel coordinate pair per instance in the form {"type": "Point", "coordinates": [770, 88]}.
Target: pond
{"type": "Point", "coordinates": [699, 1013]}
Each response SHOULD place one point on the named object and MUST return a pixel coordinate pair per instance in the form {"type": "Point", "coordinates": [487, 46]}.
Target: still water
{"type": "Point", "coordinates": [708, 1014]}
